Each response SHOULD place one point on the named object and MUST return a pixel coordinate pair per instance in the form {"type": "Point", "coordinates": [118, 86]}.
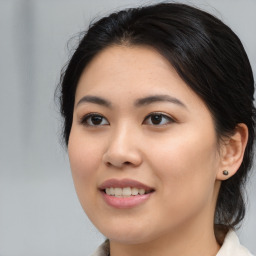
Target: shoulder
{"type": "Point", "coordinates": [232, 246]}
{"type": "Point", "coordinates": [103, 249]}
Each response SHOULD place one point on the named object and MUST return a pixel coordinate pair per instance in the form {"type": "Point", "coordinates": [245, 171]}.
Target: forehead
{"type": "Point", "coordinates": [126, 63]}
{"type": "Point", "coordinates": [134, 71]}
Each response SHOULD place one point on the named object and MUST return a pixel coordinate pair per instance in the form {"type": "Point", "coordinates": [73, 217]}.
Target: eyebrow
{"type": "Point", "coordinates": [138, 103]}
{"type": "Point", "coordinates": [158, 98]}
{"type": "Point", "coordinates": [95, 100]}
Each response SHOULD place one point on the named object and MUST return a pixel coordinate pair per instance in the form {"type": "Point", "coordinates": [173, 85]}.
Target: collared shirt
{"type": "Point", "coordinates": [230, 247]}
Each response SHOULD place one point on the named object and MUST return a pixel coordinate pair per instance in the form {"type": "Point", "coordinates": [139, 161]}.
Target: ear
{"type": "Point", "coordinates": [232, 152]}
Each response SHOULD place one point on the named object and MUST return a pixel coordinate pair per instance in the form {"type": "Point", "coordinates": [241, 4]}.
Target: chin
{"type": "Point", "coordinates": [127, 234]}
{"type": "Point", "coordinates": [128, 239]}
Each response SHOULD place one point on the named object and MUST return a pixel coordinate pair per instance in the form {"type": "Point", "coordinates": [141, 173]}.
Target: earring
{"type": "Point", "coordinates": [225, 172]}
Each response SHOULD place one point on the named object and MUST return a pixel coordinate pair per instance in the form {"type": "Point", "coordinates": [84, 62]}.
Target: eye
{"type": "Point", "coordinates": [94, 120]}
{"type": "Point", "coordinates": [158, 119]}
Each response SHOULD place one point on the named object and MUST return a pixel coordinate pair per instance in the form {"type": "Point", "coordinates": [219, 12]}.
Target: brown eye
{"type": "Point", "coordinates": [157, 119]}
{"type": "Point", "coordinates": [94, 120]}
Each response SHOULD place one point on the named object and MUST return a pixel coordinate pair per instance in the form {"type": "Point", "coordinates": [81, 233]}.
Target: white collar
{"type": "Point", "coordinates": [232, 246]}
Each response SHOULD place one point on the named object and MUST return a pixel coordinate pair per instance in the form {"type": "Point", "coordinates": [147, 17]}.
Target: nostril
{"type": "Point", "coordinates": [127, 163]}
{"type": "Point", "coordinates": [108, 164]}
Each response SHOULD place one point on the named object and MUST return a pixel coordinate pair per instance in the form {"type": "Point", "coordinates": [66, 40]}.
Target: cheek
{"type": "Point", "coordinates": [84, 156]}
{"type": "Point", "coordinates": [186, 169]}
{"type": "Point", "coordinates": [184, 155]}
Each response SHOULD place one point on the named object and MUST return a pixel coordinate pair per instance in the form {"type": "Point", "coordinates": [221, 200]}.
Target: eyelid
{"type": "Point", "coordinates": [83, 120]}
{"type": "Point", "coordinates": [167, 116]}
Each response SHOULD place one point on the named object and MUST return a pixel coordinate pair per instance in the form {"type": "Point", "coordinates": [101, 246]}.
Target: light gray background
{"type": "Point", "coordinates": [39, 211]}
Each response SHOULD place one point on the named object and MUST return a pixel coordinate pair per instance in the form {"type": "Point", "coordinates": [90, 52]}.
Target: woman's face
{"type": "Point", "coordinates": [138, 128]}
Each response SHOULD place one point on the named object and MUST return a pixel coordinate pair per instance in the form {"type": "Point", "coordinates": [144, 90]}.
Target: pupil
{"type": "Point", "coordinates": [156, 119]}
{"type": "Point", "coordinates": [96, 119]}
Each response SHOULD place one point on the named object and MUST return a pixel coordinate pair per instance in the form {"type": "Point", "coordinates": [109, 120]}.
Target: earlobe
{"type": "Point", "coordinates": [232, 152]}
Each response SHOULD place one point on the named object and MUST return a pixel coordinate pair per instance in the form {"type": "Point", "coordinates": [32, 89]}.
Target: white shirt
{"type": "Point", "coordinates": [231, 247]}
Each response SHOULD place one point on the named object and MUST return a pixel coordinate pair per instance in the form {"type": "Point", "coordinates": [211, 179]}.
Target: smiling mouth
{"type": "Point", "coordinates": [126, 192]}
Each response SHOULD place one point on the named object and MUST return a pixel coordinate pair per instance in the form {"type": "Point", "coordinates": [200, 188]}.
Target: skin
{"type": "Point", "coordinates": [180, 157]}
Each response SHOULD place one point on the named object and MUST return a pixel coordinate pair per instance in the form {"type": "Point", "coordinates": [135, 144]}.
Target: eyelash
{"type": "Point", "coordinates": [84, 120]}
{"type": "Point", "coordinates": [162, 115]}
{"type": "Point", "coordinates": [88, 118]}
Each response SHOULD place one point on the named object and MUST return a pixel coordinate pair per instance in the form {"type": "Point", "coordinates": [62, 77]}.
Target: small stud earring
{"type": "Point", "coordinates": [225, 172]}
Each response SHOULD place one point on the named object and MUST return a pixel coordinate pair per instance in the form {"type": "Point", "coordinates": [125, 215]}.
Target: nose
{"type": "Point", "coordinates": [123, 149]}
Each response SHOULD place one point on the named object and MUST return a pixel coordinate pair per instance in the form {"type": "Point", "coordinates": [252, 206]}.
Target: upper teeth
{"type": "Point", "coordinates": [125, 191]}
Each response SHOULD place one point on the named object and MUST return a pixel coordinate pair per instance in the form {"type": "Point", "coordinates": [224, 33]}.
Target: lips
{"type": "Point", "coordinates": [124, 184]}
{"type": "Point", "coordinates": [125, 193]}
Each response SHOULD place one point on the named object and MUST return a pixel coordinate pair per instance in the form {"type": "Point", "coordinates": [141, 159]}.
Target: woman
{"type": "Point", "coordinates": [159, 122]}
